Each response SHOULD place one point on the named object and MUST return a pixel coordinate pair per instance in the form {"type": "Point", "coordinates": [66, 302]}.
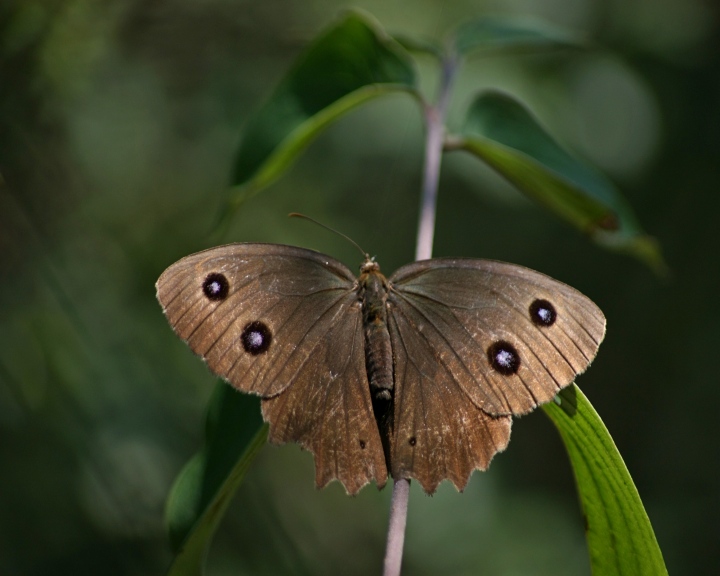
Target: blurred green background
{"type": "Point", "coordinates": [118, 125]}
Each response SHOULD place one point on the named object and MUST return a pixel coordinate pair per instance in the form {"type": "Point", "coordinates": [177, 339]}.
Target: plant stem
{"type": "Point", "coordinates": [435, 117]}
{"type": "Point", "coordinates": [396, 527]}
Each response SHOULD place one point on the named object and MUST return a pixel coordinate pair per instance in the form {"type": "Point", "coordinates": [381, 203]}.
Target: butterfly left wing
{"type": "Point", "coordinates": [478, 341]}
{"type": "Point", "coordinates": [284, 323]}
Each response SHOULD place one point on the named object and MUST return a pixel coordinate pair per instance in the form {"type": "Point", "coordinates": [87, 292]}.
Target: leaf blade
{"type": "Point", "coordinates": [504, 33]}
{"type": "Point", "coordinates": [620, 538]}
{"type": "Point", "coordinates": [202, 491]}
{"type": "Point", "coordinates": [347, 65]}
{"type": "Point", "coordinates": [503, 133]}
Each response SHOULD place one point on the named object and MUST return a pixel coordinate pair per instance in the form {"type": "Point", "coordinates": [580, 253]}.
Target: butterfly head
{"type": "Point", "coordinates": [369, 265]}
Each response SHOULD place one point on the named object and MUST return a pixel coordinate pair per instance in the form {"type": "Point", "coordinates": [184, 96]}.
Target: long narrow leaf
{"type": "Point", "coordinates": [619, 535]}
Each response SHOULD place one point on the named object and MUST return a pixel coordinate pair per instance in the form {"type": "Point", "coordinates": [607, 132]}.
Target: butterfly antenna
{"type": "Point", "coordinates": [298, 215]}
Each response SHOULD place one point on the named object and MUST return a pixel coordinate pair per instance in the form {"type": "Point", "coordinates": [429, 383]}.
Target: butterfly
{"type": "Point", "coordinates": [416, 375]}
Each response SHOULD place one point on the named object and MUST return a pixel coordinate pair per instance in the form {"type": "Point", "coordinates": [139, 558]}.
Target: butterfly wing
{"type": "Point", "coordinates": [477, 341]}
{"type": "Point", "coordinates": [284, 323]}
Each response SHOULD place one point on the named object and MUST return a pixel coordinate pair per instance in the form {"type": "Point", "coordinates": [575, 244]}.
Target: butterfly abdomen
{"type": "Point", "coordinates": [378, 348]}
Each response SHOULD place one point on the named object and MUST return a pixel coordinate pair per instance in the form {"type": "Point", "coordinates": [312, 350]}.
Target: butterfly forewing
{"type": "Point", "coordinates": [476, 314]}
{"type": "Point", "coordinates": [283, 297]}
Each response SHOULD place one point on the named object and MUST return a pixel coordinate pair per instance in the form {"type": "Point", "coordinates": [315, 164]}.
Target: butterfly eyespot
{"type": "Point", "coordinates": [256, 338]}
{"type": "Point", "coordinates": [412, 441]}
{"type": "Point", "coordinates": [215, 286]}
{"type": "Point", "coordinates": [504, 358]}
{"type": "Point", "coordinates": [542, 313]}
{"type": "Point", "coordinates": [362, 444]}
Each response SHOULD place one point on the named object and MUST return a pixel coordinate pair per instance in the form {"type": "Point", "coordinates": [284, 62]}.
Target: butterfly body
{"type": "Point", "coordinates": [373, 292]}
{"type": "Point", "coordinates": [416, 375]}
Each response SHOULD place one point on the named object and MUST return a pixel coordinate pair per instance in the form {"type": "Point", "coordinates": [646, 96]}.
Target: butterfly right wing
{"type": "Point", "coordinates": [475, 341]}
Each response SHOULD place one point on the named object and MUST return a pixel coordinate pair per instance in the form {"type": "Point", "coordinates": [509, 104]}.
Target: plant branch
{"type": "Point", "coordinates": [435, 116]}
{"type": "Point", "coordinates": [396, 527]}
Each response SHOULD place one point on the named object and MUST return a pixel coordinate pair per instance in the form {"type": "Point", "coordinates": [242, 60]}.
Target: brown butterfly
{"type": "Point", "coordinates": [417, 374]}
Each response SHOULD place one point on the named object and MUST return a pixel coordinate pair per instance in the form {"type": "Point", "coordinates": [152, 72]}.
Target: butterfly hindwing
{"type": "Point", "coordinates": [438, 433]}
{"type": "Point", "coordinates": [327, 410]}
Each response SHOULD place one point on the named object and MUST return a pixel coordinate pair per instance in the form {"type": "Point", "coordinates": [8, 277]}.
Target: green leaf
{"type": "Point", "coordinates": [503, 133]}
{"type": "Point", "coordinates": [198, 499]}
{"type": "Point", "coordinates": [620, 537]}
{"type": "Point", "coordinates": [347, 65]}
{"type": "Point", "coordinates": [496, 33]}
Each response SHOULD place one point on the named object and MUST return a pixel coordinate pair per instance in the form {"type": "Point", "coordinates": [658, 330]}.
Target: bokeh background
{"type": "Point", "coordinates": [118, 125]}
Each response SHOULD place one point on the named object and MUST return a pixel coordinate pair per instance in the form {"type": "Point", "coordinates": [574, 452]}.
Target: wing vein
{"type": "Point", "coordinates": [490, 384]}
